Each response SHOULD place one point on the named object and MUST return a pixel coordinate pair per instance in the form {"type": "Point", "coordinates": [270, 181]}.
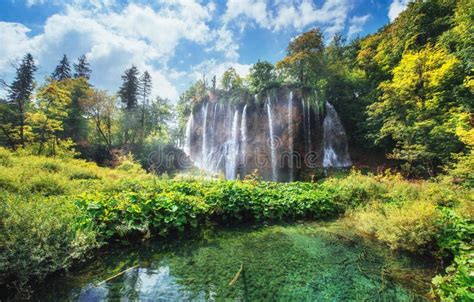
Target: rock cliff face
{"type": "Point", "coordinates": [280, 135]}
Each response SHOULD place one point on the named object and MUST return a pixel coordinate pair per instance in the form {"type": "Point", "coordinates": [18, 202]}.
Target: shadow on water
{"type": "Point", "coordinates": [296, 262]}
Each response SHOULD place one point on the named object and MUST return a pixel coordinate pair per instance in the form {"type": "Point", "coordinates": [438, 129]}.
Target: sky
{"type": "Point", "coordinates": [176, 41]}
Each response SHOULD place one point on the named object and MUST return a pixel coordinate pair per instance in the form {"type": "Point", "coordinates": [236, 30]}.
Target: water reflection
{"type": "Point", "coordinates": [304, 262]}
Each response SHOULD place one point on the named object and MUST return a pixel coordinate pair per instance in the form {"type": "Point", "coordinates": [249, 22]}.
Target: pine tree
{"type": "Point", "coordinates": [63, 70]}
{"type": "Point", "coordinates": [20, 94]}
{"type": "Point", "coordinates": [145, 89]}
{"type": "Point", "coordinates": [82, 68]}
{"type": "Point", "coordinates": [129, 90]}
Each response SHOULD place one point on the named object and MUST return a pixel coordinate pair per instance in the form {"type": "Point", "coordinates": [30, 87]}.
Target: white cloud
{"type": "Point", "coordinates": [14, 41]}
{"type": "Point", "coordinates": [396, 7]}
{"type": "Point", "coordinates": [224, 42]}
{"type": "Point", "coordinates": [292, 15]}
{"type": "Point", "coordinates": [212, 67]}
{"type": "Point", "coordinates": [356, 24]}
{"type": "Point", "coordinates": [252, 9]}
{"type": "Point", "coordinates": [113, 40]}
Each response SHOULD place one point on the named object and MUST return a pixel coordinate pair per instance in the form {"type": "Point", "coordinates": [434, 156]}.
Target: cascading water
{"type": "Point", "coordinates": [232, 150]}
{"type": "Point", "coordinates": [336, 152]}
{"type": "Point", "coordinates": [290, 135]}
{"type": "Point", "coordinates": [243, 136]}
{"type": "Point", "coordinates": [273, 146]}
{"type": "Point", "coordinates": [204, 137]}
{"type": "Point", "coordinates": [229, 138]}
{"type": "Point", "coordinates": [189, 126]}
{"type": "Point", "coordinates": [309, 126]}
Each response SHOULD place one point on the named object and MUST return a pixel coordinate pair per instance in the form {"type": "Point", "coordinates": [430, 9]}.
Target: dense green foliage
{"type": "Point", "coordinates": [54, 211]}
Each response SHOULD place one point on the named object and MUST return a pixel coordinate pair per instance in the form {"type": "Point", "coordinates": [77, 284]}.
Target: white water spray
{"type": "Point", "coordinates": [233, 149]}
{"type": "Point", "coordinates": [336, 152]}
{"type": "Point", "coordinates": [272, 141]}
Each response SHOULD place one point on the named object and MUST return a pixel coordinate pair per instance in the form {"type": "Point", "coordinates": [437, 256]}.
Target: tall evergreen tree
{"type": "Point", "coordinates": [129, 91]}
{"type": "Point", "coordinates": [82, 68]}
{"type": "Point", "coordinates": [145, 87]}
{"type": "Point", "coordinates": [20, 94]}
{"type": "Point", "coordinates": [63, 70]}
{"type": "Point", "coordinates": [145, 91]}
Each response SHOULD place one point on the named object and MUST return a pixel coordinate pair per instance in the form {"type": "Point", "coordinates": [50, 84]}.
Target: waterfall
{"type": "Point", "coordinates": [232, 150]}
{"type": "Point", "coordinates": [204, 137]}
{"type": "Point", "coordinates": [229, 138]}
{"type": "Point", "coordinates": [290, 134]}
{"type": "Point", "coordinates": [189, 126]}
{"type": "Point", "coordinates": [309, 126]}
{"type": "Point", "coordinates": [336, 152]}
{"type": "Point", "coordinates": [243, 135]}
{"type": "Point", "coordinates": [272, 141]}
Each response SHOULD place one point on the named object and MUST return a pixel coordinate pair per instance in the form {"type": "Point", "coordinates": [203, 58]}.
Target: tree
{"type": "Point", "coordinates": [47, 119]}
{"type": "Point", "coordinates": [129, 90]}
{"type": "Point", "coordinates": [160, 114]}
{"type": "Point", "coordinates": [63, 70]}
{"type": "Point", "coordinates": [19, 98]}
{"type": "Point", "coordinates": [231, 81]}
{"type": "Point", "coordinates": [82, 68]}
{"type": "Point", "coordinates": [262, 76]}
{"type": "Point", "coordinates": [101, 109]}
{"type": "Point", "coordinates": [303, 62]}
{"type": "Point", "coordinates": [7, 133]}
{"type": "Point", "coordinates": [75, 124]}
{"type": "Point", "coordinates": [145, 88]}
{"type": "Point", "coordinates": [416, 109]}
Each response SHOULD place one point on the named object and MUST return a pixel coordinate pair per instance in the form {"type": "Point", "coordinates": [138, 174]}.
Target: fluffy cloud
{"type": "Point", "coordinates": [14, 41]}
{"type": "Point", "coordinates": [396, 7]}
{"type": "Point", "coordinates": [356, 24]}
{"type": "Point", "coordinates": [292, 15]}
{"type": "Point", "coordinates": [113, 41]}
{"type": "Point", "coordinates": [252, 9]}
{"type": "Point", "coordinates": [213, 67]}
{"type": "Point", "coordinates": [224, 42]}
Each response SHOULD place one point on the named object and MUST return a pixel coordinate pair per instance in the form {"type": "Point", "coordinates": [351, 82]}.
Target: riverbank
{"type": "Point", "coordinates": [56, 212]}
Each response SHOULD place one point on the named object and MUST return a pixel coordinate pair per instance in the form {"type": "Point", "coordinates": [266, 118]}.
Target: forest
{"type": "Point", "coordinates": [84, 170]}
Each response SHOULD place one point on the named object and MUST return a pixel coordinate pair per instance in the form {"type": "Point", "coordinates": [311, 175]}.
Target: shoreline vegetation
{"type": "Point", "coordinates": [58, 211]}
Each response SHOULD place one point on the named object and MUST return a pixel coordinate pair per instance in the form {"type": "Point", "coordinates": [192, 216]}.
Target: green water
{"type": "Point", "coordinates": [303, 262]}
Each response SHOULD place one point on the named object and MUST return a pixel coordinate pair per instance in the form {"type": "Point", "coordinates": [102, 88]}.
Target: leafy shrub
{"type": "Point", "coordinates": [51, 166]}
{"type": "Point", "coordinates": [461, 171]}
{"type": "Point", "coordinates": [8, 182]}
{"type": "Point", "coordinates": [83, 174]}
{"type": "Point", "coordinates": [455, 239]}
{"type": "Point", "coordinates": [47, 186]}
{"type": "Point", "coordinates": [5, 158]}
{"type": "Point", "coordinates": [40, 236]}
{"type": "Point", "coordinates": [410, 226]}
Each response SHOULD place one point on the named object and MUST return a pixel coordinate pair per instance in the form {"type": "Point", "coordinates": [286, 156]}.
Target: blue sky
{"type": "Point", "coordinates": [177, 41]}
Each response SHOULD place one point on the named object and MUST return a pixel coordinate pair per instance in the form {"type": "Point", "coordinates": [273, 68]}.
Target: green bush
{"type": "Point", "coordinates": [47, 186]}
{"type": "Point", "coordinates": [40, 236]}
{"type": "Point", "coordinates": [5, 157]}
{"type": "Point", "coordinates": [51, 166]}
{"type": "Point", "coordinates": [410, 226]}
{"type": "Point", "coordinates": [455, 239]}
{"type": "Point", "coordinates": [83, 174]}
